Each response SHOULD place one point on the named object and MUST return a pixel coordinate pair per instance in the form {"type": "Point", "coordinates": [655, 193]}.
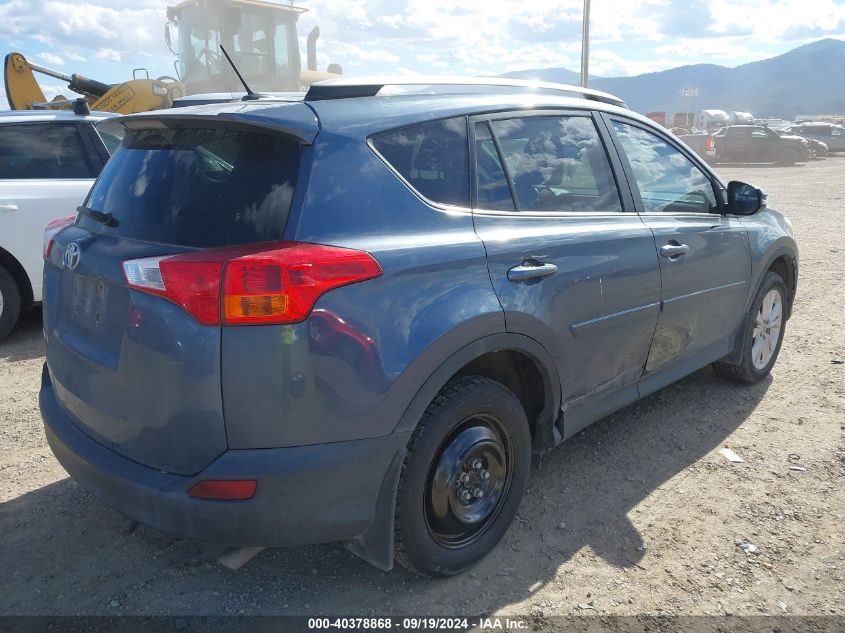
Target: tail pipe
{"type": "Point", "coordinates": [311, 47]}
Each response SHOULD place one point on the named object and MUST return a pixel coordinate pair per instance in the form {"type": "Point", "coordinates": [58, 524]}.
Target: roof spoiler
{"type": "Point", "coordinates": [346, 88]}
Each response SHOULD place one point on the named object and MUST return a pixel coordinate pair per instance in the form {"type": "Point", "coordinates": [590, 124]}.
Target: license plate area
{"type": "Point", "coordinates": [88, 302]}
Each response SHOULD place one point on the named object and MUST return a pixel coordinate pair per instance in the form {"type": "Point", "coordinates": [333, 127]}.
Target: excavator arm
{"type": "Point", "coordinates": [138, 95]}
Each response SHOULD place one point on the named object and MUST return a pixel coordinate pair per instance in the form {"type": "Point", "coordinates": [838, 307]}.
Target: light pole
{"type": "Point", "coordinates": [585, 45]}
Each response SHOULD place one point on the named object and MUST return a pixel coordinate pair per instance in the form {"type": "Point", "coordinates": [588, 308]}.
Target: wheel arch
{"type": "Point", "coordinates": [506, 358]}
{"type": "Point", "coordinates": [782, 260]}
{"type": "Point", "coordinates": [18, 273]}
{"type": "Point", "coordinates": [375, 545]}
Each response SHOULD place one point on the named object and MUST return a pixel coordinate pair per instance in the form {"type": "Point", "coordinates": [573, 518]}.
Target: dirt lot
{"type": "Point", "coordinates": [638, 514]}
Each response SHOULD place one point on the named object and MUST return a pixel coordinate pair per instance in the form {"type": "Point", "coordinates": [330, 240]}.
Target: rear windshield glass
{"type": "Point", "coordinates": [432, 157]}
{"type": "Point", "coordinates": [197, 187]}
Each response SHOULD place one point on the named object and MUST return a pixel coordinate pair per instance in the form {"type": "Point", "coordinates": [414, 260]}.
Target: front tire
{"type": "Point", "coordinates": [10, 303]}
{"type": "Point", "coordinates": [763, 332]}
{"type": "Point", "coordinates": [463, 477]}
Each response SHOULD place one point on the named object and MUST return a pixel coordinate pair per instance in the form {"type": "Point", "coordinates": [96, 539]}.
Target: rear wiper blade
{"type": "Point", "coordinates": [98, 216]}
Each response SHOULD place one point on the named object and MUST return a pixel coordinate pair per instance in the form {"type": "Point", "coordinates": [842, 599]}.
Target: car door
{"type": "Point", "coordinates": [835, 138]}
{"type": "Point", "coordinates": [571, 263]}
{"type": "Point", "coordinates": [765, 145]}
{"type": "Point", "coordinates": [704, 256]}
{"type": "Point", "coordinates": [46, 170]}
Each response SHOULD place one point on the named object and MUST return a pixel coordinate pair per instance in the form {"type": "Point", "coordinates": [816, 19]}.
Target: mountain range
{"type": "Point", "coordinates": [809, 79]}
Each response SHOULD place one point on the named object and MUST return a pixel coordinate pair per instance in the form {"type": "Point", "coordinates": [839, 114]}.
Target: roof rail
{"type": "Point", "coordinates": [349, 87]}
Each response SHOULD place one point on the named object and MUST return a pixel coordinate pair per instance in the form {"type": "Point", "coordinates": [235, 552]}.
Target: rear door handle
{"type": "Point", "coordinates": [8, 207]}
{"type": "Point", "coordinates": [673, 251]}
{"type": "Point", "coordinates": [526, 271]}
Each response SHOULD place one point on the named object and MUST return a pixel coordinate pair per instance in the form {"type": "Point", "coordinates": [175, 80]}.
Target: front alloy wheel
{"type": "Point", "coordinates": [762, 334]}
{"type": "Point", "coordinates": [767, 325]}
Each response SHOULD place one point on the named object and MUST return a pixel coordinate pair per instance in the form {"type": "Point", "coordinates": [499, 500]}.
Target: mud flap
{"type": "Point", "coordinates": [375, 545]}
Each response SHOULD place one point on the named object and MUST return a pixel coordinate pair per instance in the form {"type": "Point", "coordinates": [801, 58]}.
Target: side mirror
{"type": "Point", "coordinates": [744, 199]}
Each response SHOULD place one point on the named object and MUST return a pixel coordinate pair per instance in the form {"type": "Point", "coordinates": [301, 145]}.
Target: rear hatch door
{"type": "Point", "coordinates": [134, 370]}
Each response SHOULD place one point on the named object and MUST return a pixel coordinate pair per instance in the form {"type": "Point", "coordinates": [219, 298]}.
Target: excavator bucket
{"type": "Point", "coordinates": [22, 89]}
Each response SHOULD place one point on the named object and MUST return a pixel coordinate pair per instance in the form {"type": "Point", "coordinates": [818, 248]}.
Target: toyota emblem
{"type": "Point", "coordinates": [71, 257]}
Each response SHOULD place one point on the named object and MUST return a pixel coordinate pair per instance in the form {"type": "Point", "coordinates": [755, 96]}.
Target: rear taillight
{"type": "Point", "coordinates": [709, 144]}
{"type": "Point", "coordinates": [50, 232]}
{"type": "Point", "coordinates": [263, 284]}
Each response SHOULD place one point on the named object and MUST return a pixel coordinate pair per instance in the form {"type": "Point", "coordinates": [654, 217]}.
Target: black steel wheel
{"type": "Point", "coordinates": [463, 477]}
{"type": "Point", "coordinates": [469, 479]}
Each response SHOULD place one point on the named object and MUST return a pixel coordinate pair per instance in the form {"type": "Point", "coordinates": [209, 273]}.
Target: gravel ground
{"type": "Point", "coordinates": [638, 514]}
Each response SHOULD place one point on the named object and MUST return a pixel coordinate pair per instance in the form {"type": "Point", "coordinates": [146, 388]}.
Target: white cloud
{"type": "Point", "coordinates": [108, 55]}
{"type": "Point", "coordinates": [74, 57]}
{"type": "Point", "coordinates": [446, 36]}
{"type": "Point", "coordinates": [50, 58]}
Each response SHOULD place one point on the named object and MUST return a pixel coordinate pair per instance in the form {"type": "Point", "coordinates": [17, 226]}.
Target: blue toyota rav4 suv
{"type": "Point", "coordinates": [352, 316]}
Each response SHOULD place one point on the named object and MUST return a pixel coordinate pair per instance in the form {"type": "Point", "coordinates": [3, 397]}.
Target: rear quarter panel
{"type": "Point", "coordinates": [351, 370]}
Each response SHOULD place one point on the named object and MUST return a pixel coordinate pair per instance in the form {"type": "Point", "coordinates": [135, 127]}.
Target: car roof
{"type": "Point", "coordinates": [37, 116]}
{"type": "Point", "coordinates": [359, 117]}
{"type": "Point", "coordinates": [362, 116]}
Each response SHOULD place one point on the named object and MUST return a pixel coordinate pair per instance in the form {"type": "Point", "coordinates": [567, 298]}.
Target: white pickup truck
{"type": "Point", "coordinates": [48, 162]}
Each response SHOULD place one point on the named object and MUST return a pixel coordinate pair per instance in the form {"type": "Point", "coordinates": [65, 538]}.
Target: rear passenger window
{"type": "Point", "coordinates": [432, 157]}
{"type": "Point", "coordinates": [557, 164]}
{"type": "Point", "coordinates": [668, 181]}
{"type": "Point", "coordinates": [492, 190]}
{"type": "Point", "coordinates": [30, 151]}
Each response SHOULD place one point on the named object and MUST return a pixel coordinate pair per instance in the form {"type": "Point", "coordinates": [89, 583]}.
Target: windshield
{"type": "Point", "coordinates": [261, 44]}
{"type": "Point", "coordinates": [196, 187]}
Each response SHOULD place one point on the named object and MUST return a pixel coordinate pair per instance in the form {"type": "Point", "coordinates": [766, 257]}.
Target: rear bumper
{"type": "Point", "coordinates": [306, 494]}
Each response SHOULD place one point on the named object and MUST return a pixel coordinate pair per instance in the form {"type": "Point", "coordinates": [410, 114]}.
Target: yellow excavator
{"type": "Point", "coordinates": [260, 37]}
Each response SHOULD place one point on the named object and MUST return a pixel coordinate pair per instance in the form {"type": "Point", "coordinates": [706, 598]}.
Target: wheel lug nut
{"type": "Point", "coordinates": [477, 493]}
{"type": "Point", "coordinates": [485, 474]}
{"type": "Point", "coordinates": [464, 477]}
{"type": "Point", "coordinates": [465, 496]}
{"type": "Point", "coordinates": [476, 464]}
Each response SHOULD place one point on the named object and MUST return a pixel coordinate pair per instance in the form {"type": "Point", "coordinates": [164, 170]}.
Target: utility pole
{"type": "Point", "coordinates": [585, 45]}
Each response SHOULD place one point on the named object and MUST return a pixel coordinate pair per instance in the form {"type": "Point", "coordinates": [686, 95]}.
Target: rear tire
{"type": "Point", "coordinates": [463, 477]}
{"type": "Point", "coordinates": [10, 303]}
{"type": "Point", "coordinates": [762, 333]}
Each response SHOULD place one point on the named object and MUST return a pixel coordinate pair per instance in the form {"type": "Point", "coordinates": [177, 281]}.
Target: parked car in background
{"type": "Point", "coordinates": [831, 135]}
{"type": "Point", "coordinates": [353, 317]}
{"type": "Point", "coordinates": [817, 148]}
{"type": "Point", "coordinates": [702, 143]}
{"type": "Point", "coordinates": [48, 162]}
{"type": "Point", "coordinates": [758, 144]}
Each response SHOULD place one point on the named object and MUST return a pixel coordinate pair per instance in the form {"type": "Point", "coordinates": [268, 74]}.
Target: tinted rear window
{"type": "Point", "coordinates": [197, 187]}
{"type": "Point", "coordinates": [433, 158]}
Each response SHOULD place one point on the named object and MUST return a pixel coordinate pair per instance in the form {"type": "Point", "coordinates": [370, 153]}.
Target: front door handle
{"type": "Point", "coordinates": [8, 207]}
{"type": "Point", "coordinates": [526, 271]}
{"type": "Point", "coordinates": [673, 251]}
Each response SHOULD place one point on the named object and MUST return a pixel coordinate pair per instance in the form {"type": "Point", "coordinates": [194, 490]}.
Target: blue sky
{"type": "Point", "coordinates": [105, 40]}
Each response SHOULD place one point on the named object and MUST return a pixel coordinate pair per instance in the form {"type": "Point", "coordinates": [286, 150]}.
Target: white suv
{"type": "Point", "coordinates": [48, 162]}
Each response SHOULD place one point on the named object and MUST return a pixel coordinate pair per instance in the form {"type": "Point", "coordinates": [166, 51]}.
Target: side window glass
{"type": "Point", "coordinates": [667, 180]}
{"type": "Point", "coordinates": [492, 189]}
{"type": "Point", "coordinates": [433, 157]}
{"type": "Point", "coordinates": [111, 141]}
{"type": "Point", "coordinates": [557, 164]}
{"type": "Point", "coordinates": [38, 151]}
{"type": "Point", "coordinates": [837, 131]}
